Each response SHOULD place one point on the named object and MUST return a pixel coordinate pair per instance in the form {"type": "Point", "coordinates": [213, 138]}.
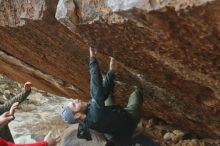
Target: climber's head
{"type": "Point", "coordinates": [74, 111]}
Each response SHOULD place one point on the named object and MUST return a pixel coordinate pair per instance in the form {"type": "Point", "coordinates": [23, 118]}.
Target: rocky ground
{"type": "Point", "coordinates": [35, 116]}
{"type": "Point", "coordinates": [40, 114]}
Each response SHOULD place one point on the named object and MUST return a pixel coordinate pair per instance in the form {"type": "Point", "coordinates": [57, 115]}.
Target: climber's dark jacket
{"type": "Point", "coordinates": [113, 120]}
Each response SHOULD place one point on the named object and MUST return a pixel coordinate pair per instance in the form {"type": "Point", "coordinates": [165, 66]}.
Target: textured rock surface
{"type": "Point", "coordinates": [175, 54]}
{"type": "Point", "coordinates": [13, 13]}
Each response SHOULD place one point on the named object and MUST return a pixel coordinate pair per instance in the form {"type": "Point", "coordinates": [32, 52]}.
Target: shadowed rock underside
{"type": "Point", "coordinates": [172, 49]}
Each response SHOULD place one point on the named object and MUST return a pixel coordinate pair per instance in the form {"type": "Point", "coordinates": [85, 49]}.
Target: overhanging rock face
{"type": "Point", "coordinates": [175, 54]}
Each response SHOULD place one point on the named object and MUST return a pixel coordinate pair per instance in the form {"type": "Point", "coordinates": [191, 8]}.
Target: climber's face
{"type": "Point", "coordinates": [76, 105]}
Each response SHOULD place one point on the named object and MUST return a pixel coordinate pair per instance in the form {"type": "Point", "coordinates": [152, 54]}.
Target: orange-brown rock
{"type": "Point", "coordinates": [175, 54]}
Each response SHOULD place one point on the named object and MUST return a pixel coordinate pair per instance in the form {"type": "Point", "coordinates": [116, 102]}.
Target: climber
{"type": "Point", "coordinates": [8, 116]}
{"type": "Point", "coordinates": [101, 113]}
{"type": "Point", "coordinates": [4, 130]}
